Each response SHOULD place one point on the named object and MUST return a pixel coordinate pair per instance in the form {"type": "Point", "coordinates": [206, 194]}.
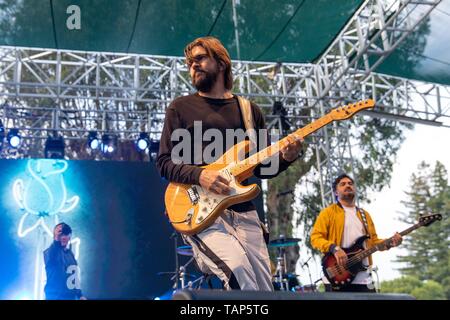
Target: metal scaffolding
{"type": "Point", "coordinates": [73, 92]}
{"type": "Point", "coordinates": [345, 71]}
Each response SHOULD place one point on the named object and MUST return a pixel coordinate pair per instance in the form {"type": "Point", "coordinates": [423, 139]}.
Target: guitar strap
{"type": "Point", "coordinates": [247, 117]}
{"type": "Point", "coordinates": [364, 219]}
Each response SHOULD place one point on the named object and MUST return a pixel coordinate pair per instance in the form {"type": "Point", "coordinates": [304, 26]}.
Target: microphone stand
{"type": "Point", "coordinates": [309, 273]}
{"type": "Point", "coordinates": [174, 236]}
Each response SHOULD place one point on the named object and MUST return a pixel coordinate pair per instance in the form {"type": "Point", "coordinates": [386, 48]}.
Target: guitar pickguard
{"type": "Point", "coordinates": [208, 201]}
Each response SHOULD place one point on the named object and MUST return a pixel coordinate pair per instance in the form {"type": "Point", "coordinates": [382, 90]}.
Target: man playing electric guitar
{"type": "Point", "coordinates": [233, 247]}
{"type": "Point", "coordinates": [340, 225]}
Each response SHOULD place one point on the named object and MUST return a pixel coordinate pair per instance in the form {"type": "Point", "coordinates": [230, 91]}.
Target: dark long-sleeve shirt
{"type": "Point", "coordinates": [61, 268]}
{"type": "Point", "coordinates": [216, 114]}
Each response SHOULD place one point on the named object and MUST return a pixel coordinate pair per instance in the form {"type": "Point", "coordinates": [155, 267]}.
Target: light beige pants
{"type": "Point", "coordinates": [233, 248]}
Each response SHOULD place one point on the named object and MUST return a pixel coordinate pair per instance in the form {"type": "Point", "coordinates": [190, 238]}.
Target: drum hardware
{"type": "Point", "coordinates": [281, 243]}
{"type": "Point", "coordinates": [180, 275]}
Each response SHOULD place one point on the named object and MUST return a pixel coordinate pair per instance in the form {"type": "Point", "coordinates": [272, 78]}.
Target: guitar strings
{"type": "Point", "coordinates": [348, 264]}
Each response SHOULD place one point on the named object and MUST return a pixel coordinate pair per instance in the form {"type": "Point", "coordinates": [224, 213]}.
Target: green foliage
{"type": "Point", "coordinates": [430, 290]}
{"type": "Point", "coordinates": [404, 284]}
{"type": "Point", "coordinates": [422, 290]}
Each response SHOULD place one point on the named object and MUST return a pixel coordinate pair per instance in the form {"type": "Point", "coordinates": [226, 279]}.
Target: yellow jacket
{"type": "Point", "coordinates": [329, 227]}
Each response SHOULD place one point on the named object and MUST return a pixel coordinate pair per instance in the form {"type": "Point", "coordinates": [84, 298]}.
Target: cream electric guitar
{"type": "Point", "coordinates": [191, 208]}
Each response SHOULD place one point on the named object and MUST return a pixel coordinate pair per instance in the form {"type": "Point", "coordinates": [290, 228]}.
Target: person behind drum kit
{"type": "Point", "coordinates": [233, 247]}
{"type": "Point", "coordinates": [339, 225]}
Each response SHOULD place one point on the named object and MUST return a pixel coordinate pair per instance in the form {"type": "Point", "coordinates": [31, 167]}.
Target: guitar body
{"type": "Point", "coordinates": [191, 209]}
{"type": "Point", "coordinates": [340, 276]}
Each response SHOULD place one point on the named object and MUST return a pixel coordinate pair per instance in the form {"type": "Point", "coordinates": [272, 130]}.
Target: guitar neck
{"type": "Point", "coordinates": [364, 254]}
{"type": "Point", "coordinates": [255, 159]}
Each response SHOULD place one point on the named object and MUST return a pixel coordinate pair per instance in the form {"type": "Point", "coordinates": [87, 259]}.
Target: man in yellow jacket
{"type": "Point", "coordinates": [340, 225]}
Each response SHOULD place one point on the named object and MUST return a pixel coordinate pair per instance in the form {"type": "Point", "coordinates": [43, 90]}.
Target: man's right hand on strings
{"type": "Point", "coordinates": [213, 181]}
{"type": "Point", "coordinates": [341, 257]}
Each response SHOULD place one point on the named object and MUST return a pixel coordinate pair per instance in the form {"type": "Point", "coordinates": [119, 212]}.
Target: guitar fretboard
{"type": "Point", "coordinates": [257, 158]}
{"type": "Point", "coordinates": [364, 254]}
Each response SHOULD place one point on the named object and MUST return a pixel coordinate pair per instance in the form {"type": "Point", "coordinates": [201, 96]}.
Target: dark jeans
{"type": "Point", "coordinates": [350, 288]}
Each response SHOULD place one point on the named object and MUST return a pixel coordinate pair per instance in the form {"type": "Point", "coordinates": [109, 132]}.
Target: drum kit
{"type": "Point", "coordinates": [282, 280]}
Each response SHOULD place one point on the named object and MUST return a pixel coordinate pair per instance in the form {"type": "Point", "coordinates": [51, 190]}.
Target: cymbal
{"type": "Point", "coordinates": [284, 242]}
{"type": "Point", "coordinates": [185, 251]}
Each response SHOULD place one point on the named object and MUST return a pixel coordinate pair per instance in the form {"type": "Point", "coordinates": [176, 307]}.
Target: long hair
{"type": "Point", "coordinates": [215, 49]}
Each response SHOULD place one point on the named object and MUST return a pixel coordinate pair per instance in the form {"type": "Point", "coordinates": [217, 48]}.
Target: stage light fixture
{"type": "Point", "coordinates": [93, 141]}
{"type": "Point", "coordinates": [154, 146]}
{"type": "Point", "coordinates": [54, 147]}
{"type": "Point", "coordinates": [153, 149]}
{"type": "Point", "coordinates": [14, 138]}
{"type": "Point", "coordinates": [143, 142]}
{"type": "Point", "coordinates": [109, 144]}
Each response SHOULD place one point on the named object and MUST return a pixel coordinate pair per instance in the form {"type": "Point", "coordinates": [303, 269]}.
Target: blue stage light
{"type": "Point", "coordinates": [109, 144]}
{"type": "Point", "coordinates": [93, 141]}
{"type": "Point", "coordinates": [143, 142]}
{"type": "Point", "coordinates": [14, 138]}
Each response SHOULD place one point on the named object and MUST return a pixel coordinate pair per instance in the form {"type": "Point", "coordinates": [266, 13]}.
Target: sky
{"type": "Point", "coordinates": [423, 143]}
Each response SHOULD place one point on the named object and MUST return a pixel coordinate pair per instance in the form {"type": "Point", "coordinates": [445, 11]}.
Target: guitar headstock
{"type": "Point", "coordinates": [349, 110]}
{"type": "Point", "coordinates": [428, 219]}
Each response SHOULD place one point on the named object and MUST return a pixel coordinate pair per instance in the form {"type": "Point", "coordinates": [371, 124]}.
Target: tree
{"type": "Point", "coordinates": [428, 248]}
{"type": "Point", "coordinates": [405, 284]}
{"type": "Point", "coordinates": [430, 290]}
